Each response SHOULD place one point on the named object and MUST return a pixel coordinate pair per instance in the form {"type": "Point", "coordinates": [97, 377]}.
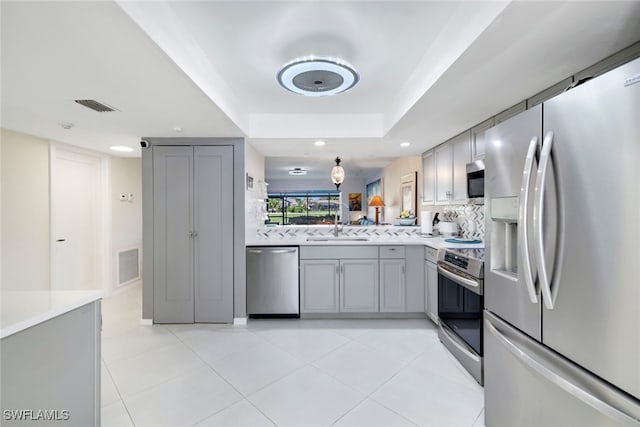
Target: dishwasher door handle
{"type": "Point", "coordinates": [271, 251]}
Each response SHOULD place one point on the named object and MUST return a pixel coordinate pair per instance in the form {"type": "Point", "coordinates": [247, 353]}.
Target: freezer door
{"type": "Point", "coordinates": [527, 384]}
{"type": "Point", "coordinates": [593, 317]}
{"type": "Point", "coordinates": [509, 249]}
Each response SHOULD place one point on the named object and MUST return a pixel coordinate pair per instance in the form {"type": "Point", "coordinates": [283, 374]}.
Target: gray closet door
{"type": "Point", "coordinates": [213, 219]}
{"type": "Point", "coordinates": [172, 228]}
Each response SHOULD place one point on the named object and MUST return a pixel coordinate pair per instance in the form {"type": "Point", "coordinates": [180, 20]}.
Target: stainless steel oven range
{"type": "Point", "coordinates": [460, 304]}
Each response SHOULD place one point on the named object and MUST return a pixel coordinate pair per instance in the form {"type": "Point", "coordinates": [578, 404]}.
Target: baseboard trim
{"type": "Point", "coordinates": [146, 322]}
{"type": "Point", "coordinates": [240, 321]}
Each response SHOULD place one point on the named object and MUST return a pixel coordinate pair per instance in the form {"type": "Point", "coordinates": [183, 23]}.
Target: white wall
{"type": "Point", "coordinates": [25, 211]}
{"type": "Point", "coordinates": [391, 193]}
{"type": "Point", "coordinates": [25, 201]}
{"type": "Point", "coordinates": [254, 197]}
{"type": "Point", "coordinates": [126, 217]}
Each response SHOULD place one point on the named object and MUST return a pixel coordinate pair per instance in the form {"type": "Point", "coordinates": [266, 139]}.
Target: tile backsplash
{"type": "Point", "coordinates": [470, 219]}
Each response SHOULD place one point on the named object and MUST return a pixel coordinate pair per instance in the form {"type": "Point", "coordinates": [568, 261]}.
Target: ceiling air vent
{"type": "Point", "coordinates": [95, 105]}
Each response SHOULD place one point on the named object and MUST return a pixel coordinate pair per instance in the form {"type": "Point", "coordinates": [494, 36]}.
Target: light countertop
{"type": "Point", "coordinates": [24, 309]}
{"type": "Point", "coordinates": [434, 242]}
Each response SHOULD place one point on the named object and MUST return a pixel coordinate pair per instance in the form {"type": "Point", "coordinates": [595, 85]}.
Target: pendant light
{"type": "Point", "coordinates": [337, 174]}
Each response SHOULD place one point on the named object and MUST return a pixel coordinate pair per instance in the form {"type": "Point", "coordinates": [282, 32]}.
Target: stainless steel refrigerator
{"type": "Point", "coordinates": [562, 284]}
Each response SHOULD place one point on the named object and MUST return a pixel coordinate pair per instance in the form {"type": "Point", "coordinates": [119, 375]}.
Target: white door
{"type": "Point", "coordinates": [76, 221]}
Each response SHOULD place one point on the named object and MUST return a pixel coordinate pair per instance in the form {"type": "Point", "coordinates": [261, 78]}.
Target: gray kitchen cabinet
{"type": "Point", "coordinates": [510, 112]}
{"type": "Point", "coordinates": [450, 161]}
{"type": "Point", "coordinates": [549, 93]}
{"type": "Point", "coordinates": [54, 366]}
{"type": "Point", "coordinates": [359, 285]}
{"type": "Point", "coordinates": [414, 277]}
{"type": "Point", "coordinates": [337, 279]}
{"type": "Point", "coordinates": [428, 178]}
{"type": "Point", "coordinates": [193, 234]}
{"type": "Point", "coordinates": [319, 286]}
{"type": "Point", "coordinates": [431, 283]}
{"type": "Point", "coordinates": [477, 139]}
{"type": "Point", "coordinates": [392, 285]}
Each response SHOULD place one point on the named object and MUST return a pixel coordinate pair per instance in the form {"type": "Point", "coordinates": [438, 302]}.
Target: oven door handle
{"type": "Point", "coordinates": [456, 341]}
{"type": "Point", "coordinates": [467, 283]}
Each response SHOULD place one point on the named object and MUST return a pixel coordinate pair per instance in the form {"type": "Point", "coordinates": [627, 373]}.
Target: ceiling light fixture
{"type": "Point", "coordinates": [66, 125]}
{"type": "Point", "coordinates": [405, 144]}
{"type": "Point", "coordinates": [121, 149]}
{"type": "Point", "coordinates": [319, 143]}
{"type": "Point", "coordinates": [297, 171]}
{"type": "Point", "coordinates": [337, 174]}
{"type": "Point", "coordinates": [312, 76]}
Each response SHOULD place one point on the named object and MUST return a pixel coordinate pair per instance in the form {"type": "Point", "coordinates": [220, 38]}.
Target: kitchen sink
{"type": "Point", "coordinates": [338, 239]}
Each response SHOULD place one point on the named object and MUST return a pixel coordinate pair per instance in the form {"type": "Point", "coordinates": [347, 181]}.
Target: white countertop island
{"type": "Point", "coordinates": [23, 309]}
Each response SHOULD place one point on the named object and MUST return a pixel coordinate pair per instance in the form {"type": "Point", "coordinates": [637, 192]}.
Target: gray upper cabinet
{"type": "Point", "coordinates": [549, 93]}
{"type": "Point", "coordinates": [443, 160]}
{"type": "Point", "coordinates": [510, 112]}
{"type": "Point", "coordinates": [451, 160]}
{"type": "Point", "coordinates": [610, 62]}
{"type": "Point", "coordinates": [477, 139]}
{"type": "Point", "coordinates": [461, 156]}
{"type": "Point", "coordinates": [193, 234]}
{"type": "Point", "coordinates": [428, 178]}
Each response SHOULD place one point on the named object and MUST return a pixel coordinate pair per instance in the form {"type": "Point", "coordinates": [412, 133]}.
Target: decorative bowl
{"type": "Point", "coordinates": [406, 221]}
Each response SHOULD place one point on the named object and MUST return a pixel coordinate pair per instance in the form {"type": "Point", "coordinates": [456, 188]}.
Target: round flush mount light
{"type": "Point", "coordinates": [121, 149]}
{"type": "Point", "coordinates": [319, 143]}
{"type": "Point", "coordinates": [297, 171]}
{"type": "Point", "coordinates": [317, 76]}
{"type": "Point", "coordinates": [66, 125]}
{"type": "Point", "coordinates": [405, 144]}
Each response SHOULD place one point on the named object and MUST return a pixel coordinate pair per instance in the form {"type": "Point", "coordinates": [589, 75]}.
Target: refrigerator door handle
{"type": "Point", "coordinates": [538, 212]}
{"type": "Point", "coordinates": [523, 221]}
{"type": "Point", "coordinates": [578, 389]}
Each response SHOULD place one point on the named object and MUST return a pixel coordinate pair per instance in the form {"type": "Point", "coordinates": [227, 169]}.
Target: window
{"type": "Point", "coordinates": [302, 208]}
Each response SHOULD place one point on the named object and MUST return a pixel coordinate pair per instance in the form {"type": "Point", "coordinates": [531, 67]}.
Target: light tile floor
{"type": "Point", "coordinates": [280, 372]}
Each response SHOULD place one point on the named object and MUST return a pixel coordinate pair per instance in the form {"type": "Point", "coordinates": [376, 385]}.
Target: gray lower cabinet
{"type": "Point", "coordinates": [319, 286]}
{"type": "Point", "coordinates": [392, 285]}
{"type": "Point", "coordinates": [431, 290]}
{"type": "Point", "coordinates": [54, 367]}
{"type": "Point", "coordinates": [359, 285]}
{"type": "Point", "coordinates": [193, 234]}
{"type": "Point", "coordinates": [414, 277]}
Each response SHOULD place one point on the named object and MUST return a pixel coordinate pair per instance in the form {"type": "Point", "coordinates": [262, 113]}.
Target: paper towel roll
{"type": "Point", "coordinates": [426, 222]}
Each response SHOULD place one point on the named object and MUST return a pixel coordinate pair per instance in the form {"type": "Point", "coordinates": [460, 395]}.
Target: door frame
{"type": "Point", "coordinates": [104, 209]}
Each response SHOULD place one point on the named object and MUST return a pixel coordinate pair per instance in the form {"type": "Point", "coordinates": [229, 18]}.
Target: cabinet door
{"type": "Point", "coordinates": [431, 276]}
{"type": "Point", "coordinates": [392, 285]}
{"type": "Point", "coordinates": [359, 285]}
{"type": "Point", "coordinates": [477, 139]}
{"type": "Point", "coordinates": [172, 228]}
{"type": "Point", "coordinates": [213, 238]}
{"type": "Point", "coordinates": [319, 286]}
{"type": "Point", "coordinates": [414, 277]}
{"type": "Point", "coordinates": [428, 178]}
{"type": "Point", "coordinates": [443, 160]}
{"type": "Point", "coordinates": [461, 148]}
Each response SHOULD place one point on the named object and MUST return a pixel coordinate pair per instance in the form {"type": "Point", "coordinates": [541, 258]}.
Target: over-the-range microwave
{"type": "Point", "coordinates": [475, 182]}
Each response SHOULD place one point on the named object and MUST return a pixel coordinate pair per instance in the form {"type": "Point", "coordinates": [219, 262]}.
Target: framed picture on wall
{"type": "Point", "coordinates": [373, 189]}
{"type": "Point", "coordinates": [408, 192]}
{"type": "Point", "coordinates": [355, 202]}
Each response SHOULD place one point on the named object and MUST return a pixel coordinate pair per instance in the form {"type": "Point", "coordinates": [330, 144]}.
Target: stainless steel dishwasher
{"type": "Point", "coordinates": [272, 281]}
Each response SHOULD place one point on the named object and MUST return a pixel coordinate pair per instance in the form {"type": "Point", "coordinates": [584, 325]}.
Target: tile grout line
{"type": "Point", "coordinates": [121, 397]}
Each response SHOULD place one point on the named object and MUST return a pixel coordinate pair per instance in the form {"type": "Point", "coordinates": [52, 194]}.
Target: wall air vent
{"type": "Point", "coordinates": [95, 105]}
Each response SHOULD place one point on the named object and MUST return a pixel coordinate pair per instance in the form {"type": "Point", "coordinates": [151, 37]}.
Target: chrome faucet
{"type": "Point", "coordinates": [336, 229]}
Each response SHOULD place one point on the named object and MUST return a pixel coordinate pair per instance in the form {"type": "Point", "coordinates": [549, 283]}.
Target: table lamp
{"type": "Point", "coordinates": [377, 203]}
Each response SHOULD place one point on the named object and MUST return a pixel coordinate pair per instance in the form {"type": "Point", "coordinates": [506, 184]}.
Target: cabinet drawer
{"type": "Point", "coordinates": [338, 252]}
{"type": "Point", "coordinates": [391, 251]}
{"type": "Point", "coordinates": [430, 254]}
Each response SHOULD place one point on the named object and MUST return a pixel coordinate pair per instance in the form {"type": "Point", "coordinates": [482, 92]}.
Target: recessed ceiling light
{"type": "Point", "coordinates": [312, 76]}
{"type": "Point", "coordinates": [66, 125]}
{"type": "Point", "coordinates": [405, 144]}
{"type": "Point", "coordinates": [319, 143]}
{"type": "Point", "coordinates": [121, 149]}
{"type": "Point", "coordinates": [297, 171]}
